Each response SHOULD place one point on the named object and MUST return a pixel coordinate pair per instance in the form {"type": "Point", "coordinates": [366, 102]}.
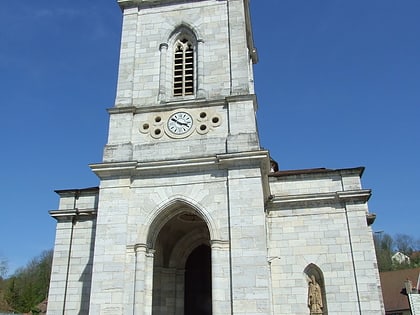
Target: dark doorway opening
{"type": "Point", "coordinates": [198, 300]}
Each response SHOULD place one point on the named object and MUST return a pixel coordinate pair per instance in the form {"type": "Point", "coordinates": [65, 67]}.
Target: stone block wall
{"type": "Point", "coordinates": [222, 67]}
{"type": "Point", "coordinates": [228, 201]}
{"type": "Point", "coordinates": [319, 219]}
{"type": "Point", "coordinates": [71, 274]}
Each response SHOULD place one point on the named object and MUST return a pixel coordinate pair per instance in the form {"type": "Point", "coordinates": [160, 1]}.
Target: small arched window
{"type": "Point", "coordinates": [183, 79]}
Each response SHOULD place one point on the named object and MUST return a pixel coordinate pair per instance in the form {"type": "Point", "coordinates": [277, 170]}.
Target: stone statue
{"type": "Point", "coordinates": [314, 297]}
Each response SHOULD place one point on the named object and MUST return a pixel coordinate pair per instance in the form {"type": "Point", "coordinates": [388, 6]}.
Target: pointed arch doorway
{"type": "Point", "coordinates": [182, 266]}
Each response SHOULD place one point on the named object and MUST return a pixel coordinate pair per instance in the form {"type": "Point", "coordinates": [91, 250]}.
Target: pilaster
{"type": "Point", "coordinates": [140, 279]}
{"type": "Point", "coordinates": [127, 58]}
{"type": "Point", "coordinates": [250, 273]}
{"type": "Point", "coordinates": [221, 277]}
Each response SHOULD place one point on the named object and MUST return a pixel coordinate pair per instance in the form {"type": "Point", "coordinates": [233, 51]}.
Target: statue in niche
{"type": "Point", "coordinates": [314, 297]}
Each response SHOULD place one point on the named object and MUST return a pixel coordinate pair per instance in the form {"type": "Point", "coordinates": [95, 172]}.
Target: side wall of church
{"type": "Point", "coordinates": [320, 220]}
{"type": "Point", "coordinates": [73, 253]}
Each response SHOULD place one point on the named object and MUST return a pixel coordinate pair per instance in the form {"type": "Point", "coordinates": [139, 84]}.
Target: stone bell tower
{"type": "Point", "coordinates": [190, 217]}
{"type": "Point", "coordinates": [177, 225]}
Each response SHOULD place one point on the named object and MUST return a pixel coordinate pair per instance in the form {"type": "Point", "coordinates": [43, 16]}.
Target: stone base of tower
{"type": "Point", "coordinates": [188, 218]}
{"type": "Point", "coordinates": [209, 244]}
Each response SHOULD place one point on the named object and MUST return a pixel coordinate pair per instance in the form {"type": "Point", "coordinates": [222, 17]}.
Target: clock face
{"type": "Point", "coordinates": [180, 123]}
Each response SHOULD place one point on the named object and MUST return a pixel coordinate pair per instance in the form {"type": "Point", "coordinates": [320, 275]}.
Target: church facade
{"type": "Point", "coordinates": [191, 215]}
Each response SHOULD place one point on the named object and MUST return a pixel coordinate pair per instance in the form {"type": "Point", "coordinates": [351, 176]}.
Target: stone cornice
{"type": "Point", "coordinates": [122, 110]}
{"type": "Point", "coordinates": [241, 97]}
{"type": "Point", "coordinates": [232, 159]}
{"type": "Point", "coordinates": [188, 104]}
{"type": "Point", "coordinates": [361, 195]}
{"type": "Point", "coordinates": [77, 192]}
{"type": "Point", "coordinates": [316, 199]}
{"type": "Point", "coordinates": [314, 172]}
{"type": "Point", "coordinates": [221, 161]}
{"type": "Point", "coordinates": [126, 4]}
{"type": "Point", "coordinates": [167, 106]}
{"type": "Point", "coordinates": [70, 214]}
{"type": "Point", "coordinates": [122, 169]}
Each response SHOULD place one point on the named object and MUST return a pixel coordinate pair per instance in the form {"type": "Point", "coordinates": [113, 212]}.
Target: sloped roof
{"type": "Point", "coordinates": [392, 283]}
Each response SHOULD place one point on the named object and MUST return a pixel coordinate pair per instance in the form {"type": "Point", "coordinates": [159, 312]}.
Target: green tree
{"type": "Point", "coordinates": [384, 249]}
{"type": "Point", "coordinates": [405, 244]}
{"type": "Point", "coordinates": [3, 284]}
{"type": "Point", "coordinates": [11, 294]}
{"type": "Point", "coordinates": [386, 246]}
{"type": "Point", "coordinates": [29, 285]}
{"type": "Point", "coordinates": [3, 267]}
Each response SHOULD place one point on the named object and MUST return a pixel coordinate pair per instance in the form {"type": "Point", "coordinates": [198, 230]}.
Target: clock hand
{"type": "Point", "coordinates": [182, 124]}
{"type": "Point", "coordinates": [179, 123]}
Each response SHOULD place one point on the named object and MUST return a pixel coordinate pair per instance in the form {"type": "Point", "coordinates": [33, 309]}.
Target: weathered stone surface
{"type": "Point", "coordinates": [124, 248]}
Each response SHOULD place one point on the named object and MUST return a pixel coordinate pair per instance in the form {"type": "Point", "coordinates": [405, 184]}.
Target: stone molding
{"type": "Point", "coordinates": [220, 244]}
{"type": "Point", "coordinates": [311, 200]}
{"type": "Point", "coordinates": [303, 173]}
{"type": "Point", "coordinates": [63, 215]}
{"type": "Point", "coordinates": [127, 4]}
{"type": "Point", "coordinates": [228, 160]}
{"type": "Point", "coordinates": [186, 103]}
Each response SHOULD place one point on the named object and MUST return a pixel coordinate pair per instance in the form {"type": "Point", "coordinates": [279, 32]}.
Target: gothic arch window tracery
{"type": "Point", "coordinates": [183, 67]}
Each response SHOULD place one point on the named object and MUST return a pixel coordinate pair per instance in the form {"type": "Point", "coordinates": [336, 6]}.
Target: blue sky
{"type": "Point", "coordinates": [337, 83]}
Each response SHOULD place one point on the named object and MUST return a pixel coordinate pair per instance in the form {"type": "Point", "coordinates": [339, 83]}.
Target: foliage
{"type": "Point", "coordinates": [28, 286]}
{"type": "Point", "coordinates": [386, 246]}
{"type": "Point", "coordinates": [3, 272]}
{"type": "Point", "coordinates": [405, 244]}
{"type": "Point", "coordinates": [3, 267]}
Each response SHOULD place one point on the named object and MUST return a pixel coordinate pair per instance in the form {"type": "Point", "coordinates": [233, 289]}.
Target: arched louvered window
{"type": "Point", "coordinates": [183, 67]}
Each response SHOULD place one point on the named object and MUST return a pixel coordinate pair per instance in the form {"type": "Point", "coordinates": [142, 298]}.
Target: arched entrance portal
{"type": "Point", "coordinates": [182, 267]}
